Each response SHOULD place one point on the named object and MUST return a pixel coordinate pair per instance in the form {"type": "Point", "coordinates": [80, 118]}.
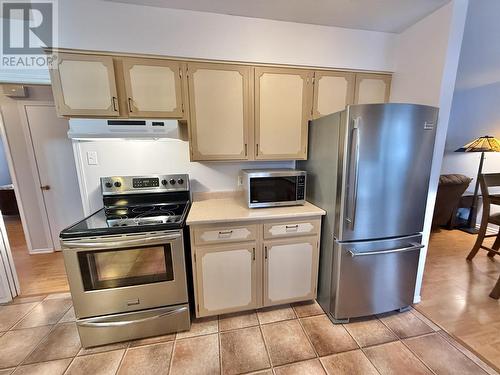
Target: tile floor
{"type": "Point", "coordinates": [38, 336]}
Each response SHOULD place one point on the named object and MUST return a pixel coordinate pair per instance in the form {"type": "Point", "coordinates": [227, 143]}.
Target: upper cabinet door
{"type": "Point", "coordinates": [283, 100]}
{"type": "Point", "coordinates": [153, 88]}
{"type": "Point", "coordinates": [332, 92]}
{"type": "Point", "coordinates": [372, 88]}
{"type": "Point", "coordinates": [84, 85]}
{"type": "Point", "coordinates": [219, 102]}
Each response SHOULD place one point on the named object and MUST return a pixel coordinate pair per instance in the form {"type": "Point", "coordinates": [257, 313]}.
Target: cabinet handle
{"type": "Point", "coordinates": [253, 253]}
{"type": "Point", "coordinates": [225, 234]}
{"type": "Point", "coordinates": [292, 227]}
{"type": "Point", "coordinates": [113, 101]}
{"type": "Point", "coordinates": [246, 152]}
{"type": "Point", "coordinates": [257, 149]}
{"type": "Point", "coordinates": [129, 105]}
{"type": "Point", "coordinates": [265, 252]}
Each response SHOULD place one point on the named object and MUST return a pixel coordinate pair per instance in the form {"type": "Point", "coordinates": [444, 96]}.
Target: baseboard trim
{"type": "Point", "coordinates": [41, 251]}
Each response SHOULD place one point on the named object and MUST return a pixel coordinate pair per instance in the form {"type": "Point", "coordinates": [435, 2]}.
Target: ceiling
{"type": "Point", "coordinates": [377, 15]}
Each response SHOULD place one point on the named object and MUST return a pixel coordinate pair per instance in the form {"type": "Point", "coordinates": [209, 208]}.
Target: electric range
{"type": "Point", "coordinates": [126, 263]}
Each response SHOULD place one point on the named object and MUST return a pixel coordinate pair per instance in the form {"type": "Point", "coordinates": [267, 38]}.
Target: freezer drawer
{"type": "Point", "coordinates": [373, 277]}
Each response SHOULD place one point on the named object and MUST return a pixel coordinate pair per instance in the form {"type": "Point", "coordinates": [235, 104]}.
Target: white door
{"type": "Point", "coordinates": [53, 166]}
{"type": "Point", "coordinates": [9, 284]}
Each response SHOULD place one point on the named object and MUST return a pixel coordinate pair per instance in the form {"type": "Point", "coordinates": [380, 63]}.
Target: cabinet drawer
{"type": "Point", "coordinates": [291, 228]}
{"type": "Point", "coordinates": [220, 234]}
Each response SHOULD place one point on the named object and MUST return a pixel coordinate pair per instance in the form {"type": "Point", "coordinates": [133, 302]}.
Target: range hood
{"type": "Point", "coordinates": [83, 129]}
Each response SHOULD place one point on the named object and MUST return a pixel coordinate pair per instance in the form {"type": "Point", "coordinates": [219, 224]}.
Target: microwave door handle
{"type": "Point", "coordinates": [99, 244]}
{"type": "Point", "coordinates": [353, 175]}
{"type": "Point", "coordinates": [412, 247]}
{"type": "Point", "coordinates": [122, 323]}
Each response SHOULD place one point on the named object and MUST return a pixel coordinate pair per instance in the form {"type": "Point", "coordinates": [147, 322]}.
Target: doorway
{"type": "Point", "coordinates": [44, 189]}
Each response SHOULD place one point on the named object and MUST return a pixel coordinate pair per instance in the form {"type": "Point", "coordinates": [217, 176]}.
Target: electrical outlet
{"type": "Point", "coordinates": [92, 158]}
{"type": "Point", "coordinates": [240, 180]}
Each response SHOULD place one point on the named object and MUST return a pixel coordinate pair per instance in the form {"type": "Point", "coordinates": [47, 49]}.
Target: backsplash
{"type": "Point", "coordinates": [136, 157]}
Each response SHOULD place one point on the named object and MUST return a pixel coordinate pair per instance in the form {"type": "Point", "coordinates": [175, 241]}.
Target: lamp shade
{"type": "Point", "coordinates": [486, 143]}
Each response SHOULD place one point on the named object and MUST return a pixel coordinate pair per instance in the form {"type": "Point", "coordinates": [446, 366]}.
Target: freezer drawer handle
{"type": "Point", "coordinates": [120, 243]}
{"type": "Point", "coordinates": [414, 246]}
{"type": "Point", "coordinates": [97, 324]}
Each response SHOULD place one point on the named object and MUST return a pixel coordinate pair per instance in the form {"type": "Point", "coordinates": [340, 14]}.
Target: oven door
{"type": "Point", "coordinates": [113, 274]}
{"type": "Point", "coordinates": [273, 191]}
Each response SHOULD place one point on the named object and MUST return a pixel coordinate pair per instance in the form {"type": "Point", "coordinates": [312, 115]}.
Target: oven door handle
{"type": "Point", "coordinates": [98, 323]}
{"type": "Point", "coordinates": [100, 244]}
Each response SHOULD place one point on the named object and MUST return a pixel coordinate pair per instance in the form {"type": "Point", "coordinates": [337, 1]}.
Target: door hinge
{"type": "Point", "coordinates": [182, 107]}
{"type": "Point", "coordinates": [180, 72]}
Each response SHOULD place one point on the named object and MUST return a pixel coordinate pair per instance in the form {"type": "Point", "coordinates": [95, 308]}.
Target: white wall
{"type": "Point", "coordinates": [4, 167]}
{"type": "Point", "coordinates": [111, 26]}
{"type": "Point", "coordinates": [426, 61]}
{"type": "Point", "coordinates": [476, 101]}
{"type": "Point", "coordinates": [136, 157]}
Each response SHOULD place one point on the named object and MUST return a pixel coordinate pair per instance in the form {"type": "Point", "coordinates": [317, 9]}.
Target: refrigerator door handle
{"type": "Point", "coordinates": [353, 186]}
{"type": "Point", "coordinates": [414, 246]}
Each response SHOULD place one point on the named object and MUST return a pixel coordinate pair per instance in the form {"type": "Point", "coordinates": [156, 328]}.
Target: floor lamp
{"type": "Point", "coordinates": [482, 144]}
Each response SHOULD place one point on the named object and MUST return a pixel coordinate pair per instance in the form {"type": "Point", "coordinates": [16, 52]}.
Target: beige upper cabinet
{"type": "Point", "coordinates": [84, 85]}
{"type": "Point", "coordinates": [332, 92]}
{"type": "Point", "coordinates": [219, 97]}
{"type": "Point", "coordinates": [226, 277]}
{"type": "Point", "coordinates": [283, 100]}
{"type": "Point", "coordinates": [372, 88]}
{"type": "Point", "coordinates": [153, 88]}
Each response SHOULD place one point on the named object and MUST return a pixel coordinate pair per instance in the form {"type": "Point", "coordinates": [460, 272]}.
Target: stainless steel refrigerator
{"type": "Point", "coordinates": [369, 167]}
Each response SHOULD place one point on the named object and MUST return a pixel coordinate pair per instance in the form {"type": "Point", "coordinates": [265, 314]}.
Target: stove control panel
{"type": "Point", "coordinates": [116, 185]}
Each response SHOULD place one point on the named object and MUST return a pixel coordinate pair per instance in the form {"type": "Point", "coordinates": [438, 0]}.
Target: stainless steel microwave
{"type": "Point", "coordinates": [274, 187]}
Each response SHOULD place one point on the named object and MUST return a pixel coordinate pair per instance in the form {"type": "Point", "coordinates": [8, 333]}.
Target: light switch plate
{"type": "Point", "coordinates": [240, 180]}
{"type": "Point", "coordinates": [92, 158]}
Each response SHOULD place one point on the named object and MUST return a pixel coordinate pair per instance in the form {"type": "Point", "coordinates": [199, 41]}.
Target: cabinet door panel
{"type": "Point", "coordinates": [84, 85]}
{"type": "Point", "coordinates": [372, 88]}
{"type": "Point", "coordinates": [283, 100]}
{"type": "Point", "coordinates": [332, 92]}
{"type": "Point", "coordinates": [290, 270]}
{"type": "Point", "coordinates": [219, 111]}
{"type": "Point", "coordinates": [153, 88]}
{"type": "Point", "coordinates": [226, 278]}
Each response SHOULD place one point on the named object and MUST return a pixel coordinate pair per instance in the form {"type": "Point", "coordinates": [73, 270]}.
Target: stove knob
{"type": "Point", "coordinates": [164, 182]}
{"type": "Point", "coordinates": [180, 181]}
{"type": "Point", "coordinates": [172, 181]}
{"type": "Point", "coordinates": [108, 184]}
{"type": "Point", "coordinates": [118, 184]}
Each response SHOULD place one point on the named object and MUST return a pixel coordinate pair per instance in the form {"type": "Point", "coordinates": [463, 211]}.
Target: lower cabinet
{"type": "Point", "coordinates": [290, 270]}
{"type": "Point", "coordinates": [245, 275]}
{"type": "Point", "coordinates": [226, 278]}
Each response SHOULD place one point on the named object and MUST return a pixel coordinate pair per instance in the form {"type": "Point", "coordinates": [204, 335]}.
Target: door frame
{"type": "Point", "coordinates": [11, 278]}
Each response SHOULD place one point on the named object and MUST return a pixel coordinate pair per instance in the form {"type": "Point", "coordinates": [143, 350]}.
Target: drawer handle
{"type": "Point", "coordinates": [292, 228]}
{"type": "Point", "coordinates": [225, 234]}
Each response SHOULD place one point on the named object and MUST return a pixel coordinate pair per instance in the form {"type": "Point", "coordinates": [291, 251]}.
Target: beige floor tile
{"type": "Point", "coordinates": [45, 313]}
{"type": "Point", "coordinates": [8, 371]}
{"type": "Point", "coordinates": [394, 358]}
{"type": "Point", "coordinates": [287, 342]}
{"type": "Point", "coordinates": [149, 359]}
{"type": "Point", "coordinates": [65, 295]}
{"type": "Point", "coordinates": [201, 326]}
{"type": "Point", "coordinates": [16, 345]}
{"type": "Point", "coordinates": [69, 316]}
{"type": "Point", "coordinates": [238, 320]}
{"type": "Point", "coordinates": [152, 340]}
{"type": "Point", "coordinates": [196, 355]}
{"type": "Point", "coordinates": [275, 314]}
{"type": "Point", "coordinates": [326, 337]}
{"type": "Point", "coordinates": [265, 372]}
{"type": "Point", "coordinates": [441, 356]}
{"type": "Point", "coordinates": [348, 363]}
{"type": "Point", "coordinates": [311, 367]}
{"type": "Point", "coordinates": [44, 368]}
{"type": "Point", "coordinates": [243, 350]}
{"type": "Point", "coordinates": [11, 314]}
{"type": "Point", "coordinates": [307, 308]}
{"type": "Point", "coordinates": [96, 364]}
{"type": "Point", "coordinates": [27, 299]}
{"type": "Point", "coordinates": [62, 342]}
{"type": "Point", "coordinates": [405, 324]}
{"type": "Point", "coordinates": [369, 331]}
{"type": "Point", "coordinates": [103, 348]}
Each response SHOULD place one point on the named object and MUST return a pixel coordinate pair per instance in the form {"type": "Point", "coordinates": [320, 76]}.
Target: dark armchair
{"type": "Point", "coordinates": [450, 189]}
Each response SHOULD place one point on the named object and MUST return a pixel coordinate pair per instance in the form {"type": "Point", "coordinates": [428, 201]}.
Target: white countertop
{"type": "Point", "coordinates": [225, 210]}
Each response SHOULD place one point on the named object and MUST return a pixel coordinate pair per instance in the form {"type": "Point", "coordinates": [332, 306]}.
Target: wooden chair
{"type": "Point", "coordinates": [488, 181]}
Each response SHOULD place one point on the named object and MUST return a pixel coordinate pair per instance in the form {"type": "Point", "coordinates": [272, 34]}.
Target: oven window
{"type": "Point", "coordinates": [125, 267]}
{"type": "Point", "coordinates": [272, 189]}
